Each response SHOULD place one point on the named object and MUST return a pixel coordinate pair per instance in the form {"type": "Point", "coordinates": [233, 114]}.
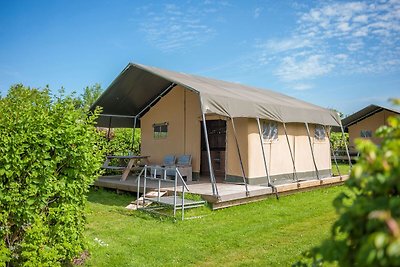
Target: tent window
{"type": "Point", "coordinates": [270, 131]}
{"type": "Point", "coordinates": [160, 130]}
{"type": "Point", "coordinates": [320, 133]}
{"type": "Point", "coordinates": [366, 133]}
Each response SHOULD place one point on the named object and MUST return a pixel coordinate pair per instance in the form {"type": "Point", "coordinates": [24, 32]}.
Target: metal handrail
{"type": "Point", "coordinates": [162, 178]}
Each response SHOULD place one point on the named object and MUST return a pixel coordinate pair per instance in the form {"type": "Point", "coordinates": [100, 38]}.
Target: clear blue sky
{"type": "Point", "coordinates": [336, 54]}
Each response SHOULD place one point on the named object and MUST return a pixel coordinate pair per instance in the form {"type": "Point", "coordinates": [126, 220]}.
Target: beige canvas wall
{"type": "Point", "coordinates": [278, 155]}
{"type": "Point", "coordinates": [184, 132]}
{"type": "Point", "coordinates": [180, 108]}
{"type": "Point", "coordinates": [303, 156]}
{"type": "Point", "coordinates": [232, 159]}
{"type": "Point", "coordinates": [322, 150]}
{"type": "Point", "coordinates": [371, 123]}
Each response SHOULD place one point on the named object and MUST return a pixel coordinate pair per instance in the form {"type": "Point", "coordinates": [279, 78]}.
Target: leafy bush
{"type": "Point", "coordinates": [121, 142]}
{"type": "Point", "coordinates": [367, 232]}
{"type": "Point", "coordinates": [49, 155]}
{"type": "Point", "coordinates": [336, 140]}
{"type": "Point", "coordinates": [120, 139]}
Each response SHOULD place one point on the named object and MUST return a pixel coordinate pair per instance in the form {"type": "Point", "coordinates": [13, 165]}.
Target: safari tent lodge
{"type": "Point", "coordinates": [234, 133]}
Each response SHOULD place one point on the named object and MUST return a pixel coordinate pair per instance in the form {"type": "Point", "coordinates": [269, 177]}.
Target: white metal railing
{"type": "Point", "coordinates": [162, 178]}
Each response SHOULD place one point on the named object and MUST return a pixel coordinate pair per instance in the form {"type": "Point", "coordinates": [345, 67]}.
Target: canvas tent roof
{"type": "Point", "coordinates": [364, 113]}
{"type": "Point", "coordinates": [139, 86]}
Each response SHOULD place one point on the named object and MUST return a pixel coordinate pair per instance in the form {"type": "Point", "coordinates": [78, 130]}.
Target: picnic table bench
{"type": "Point", "coordinates": [342, 154]}
{"type": "Point", "coordinates": [134, 162]}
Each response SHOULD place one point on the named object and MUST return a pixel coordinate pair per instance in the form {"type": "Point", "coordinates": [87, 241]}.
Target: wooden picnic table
{"type": "Point", "coordinates": [134, 162]}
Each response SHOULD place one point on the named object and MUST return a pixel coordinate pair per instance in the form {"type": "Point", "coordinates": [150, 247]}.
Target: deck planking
{"type": "Point", "coordinates": [229, 194]}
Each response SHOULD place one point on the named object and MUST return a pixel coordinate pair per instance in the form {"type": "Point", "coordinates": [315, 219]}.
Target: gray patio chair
{"type": "Point", "coordinates": [184, 165]}
{"type": "Point", "coordinates": [184, 160]}
{"type": "Point", "coordinates": [169, 161]}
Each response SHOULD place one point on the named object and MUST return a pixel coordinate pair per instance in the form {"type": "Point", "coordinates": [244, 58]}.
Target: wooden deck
{"type": "Point", "coordinates": [229, 194]}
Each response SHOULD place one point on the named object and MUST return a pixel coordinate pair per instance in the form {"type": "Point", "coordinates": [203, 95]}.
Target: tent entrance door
{"type": "Point", "coordinates": [216, 130]}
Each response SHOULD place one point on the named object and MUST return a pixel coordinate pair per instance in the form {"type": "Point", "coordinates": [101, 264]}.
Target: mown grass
{"type": "Point", "coordinates": [266, 233]}
{"type": "Point", "coordinates": [343, 168]}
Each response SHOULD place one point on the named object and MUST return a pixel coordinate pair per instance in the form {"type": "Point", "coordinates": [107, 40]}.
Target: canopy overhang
{"type": "Point", "coordinates": [139, 87]}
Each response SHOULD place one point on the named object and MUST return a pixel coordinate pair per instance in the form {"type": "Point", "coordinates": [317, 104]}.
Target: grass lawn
{"type": "Point", "coordinates": [265, 233]}
{"type": "Point", "coordinates": [343, 168]}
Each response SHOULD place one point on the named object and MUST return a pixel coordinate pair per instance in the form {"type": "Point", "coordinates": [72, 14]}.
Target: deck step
{"type": "Point", "coordinates": [169, 201]}
{"type": "Point", "coordinates": [139, 202]}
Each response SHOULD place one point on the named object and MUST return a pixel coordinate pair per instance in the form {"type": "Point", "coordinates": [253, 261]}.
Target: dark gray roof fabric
{"type": "Point", "coordinates": [138, 85]}
{"type": "Point", "coordinates": [116, 122]}
{"type": "Point", "coordinates": [364, 113]}
{"type": "Point", "coordinates": [130, 92]}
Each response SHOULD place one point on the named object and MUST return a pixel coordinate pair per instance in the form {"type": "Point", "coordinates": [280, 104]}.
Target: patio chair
{"type": "Point", "coordinates": [184, 166]}
{"type": "Point", "coordinates": [169, 161]}
{"type": "Point", "coordinates": [184, 160]}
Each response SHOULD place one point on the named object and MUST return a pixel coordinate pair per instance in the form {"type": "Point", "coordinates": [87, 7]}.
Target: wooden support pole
{"type": "Point", "coordinates": [312, 150]}
{"type": "Point", "coordinates": [240, 158]}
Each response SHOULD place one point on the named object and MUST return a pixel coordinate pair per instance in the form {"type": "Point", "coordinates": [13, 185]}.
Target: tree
{"type": "Point", "coordinates": [367, 232]}
{"type": "Point", "coordinates": [89, 96]}
{"type": "Point", "coordinates": [49, 155]}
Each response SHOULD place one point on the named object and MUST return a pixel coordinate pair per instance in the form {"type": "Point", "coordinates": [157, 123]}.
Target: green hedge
{"type": "Point", "coordinates": [50, 152]}
{"type": "Point", "coordinates": [336, 140]}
